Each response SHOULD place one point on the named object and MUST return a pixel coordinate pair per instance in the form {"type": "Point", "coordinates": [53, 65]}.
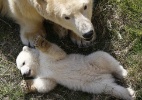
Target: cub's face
{"type": "Point", "coordinates": [27, 62]}
{"type": "Point", "coordinates": [71, 14]}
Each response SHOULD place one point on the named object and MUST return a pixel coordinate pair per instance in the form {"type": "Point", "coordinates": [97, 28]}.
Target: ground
{"type": "Point", "coordinates": [118, 25]}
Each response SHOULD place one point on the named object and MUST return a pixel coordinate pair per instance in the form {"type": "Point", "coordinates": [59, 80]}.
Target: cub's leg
{"type": "Point", "coordinates": [106, 62]}
{"type": "Point", "coordinates": [114, 90]}
{"type": "Point", "coordinates": [80, 41]}
{"type": "Point", "coordinates": [105, 83]}
{"type": "Point", "coordinates": [119, 91]}
{"type": "Point", "coordinates": [42, 44]}
{"type": "Point", "coordinates": [49, 49]}
{"type": "Point", "coordinates": [29, 29]}
{"type": "Point", "coordinates": [37, 85]}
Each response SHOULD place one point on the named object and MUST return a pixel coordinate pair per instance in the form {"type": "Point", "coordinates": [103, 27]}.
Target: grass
{"type": "Point", "coordinates": [118, 24]}
{"type": "Point", "coordinates": [133, 10]}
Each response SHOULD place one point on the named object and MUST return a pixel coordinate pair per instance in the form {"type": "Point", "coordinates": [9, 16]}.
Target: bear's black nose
{"type": "Point", "coordinates": [27, 74]}
{"type": "Point", "coordinates": [88, 35]}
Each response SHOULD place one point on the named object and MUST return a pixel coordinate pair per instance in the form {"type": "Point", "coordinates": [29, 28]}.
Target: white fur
{"type": "Point", "coordinates": [44, 85]}
{"type": "Point", "coordinates": [91, 73]}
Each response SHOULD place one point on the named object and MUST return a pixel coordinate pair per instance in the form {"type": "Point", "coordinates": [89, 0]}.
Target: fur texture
{"type": "Point", "coordinates": [74, 15]}
{"type": "Point", "coordinates": [49, 64]}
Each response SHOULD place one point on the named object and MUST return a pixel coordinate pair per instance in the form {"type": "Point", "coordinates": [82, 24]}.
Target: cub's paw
{"type": "Point", "coordinates": [24, 86]}
{"type": "Point", "coordinates": [123, 71]}
{"type": "Point", "coordinates": [80, 41]}
{"type": "Point", "coordinates": [38, 41]}
{"type": "Point", "coordinates": [27, 86]}
{"type": "Point", "coordinates": [131, 93]}
{"type": "Point", "coordinates": [41, 43]}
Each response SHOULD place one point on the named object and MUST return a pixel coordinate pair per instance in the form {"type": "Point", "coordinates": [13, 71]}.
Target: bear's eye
{"type": "Point", "coordinates": [85, 7]}
{"type": "Point", "coordinates": [67, 18]}
{"type": "Point", "coordinates": [23, 64]}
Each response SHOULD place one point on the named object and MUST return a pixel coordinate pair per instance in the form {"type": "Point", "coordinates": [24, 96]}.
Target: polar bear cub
{"type": "Point", "coordinates": [49, 65]}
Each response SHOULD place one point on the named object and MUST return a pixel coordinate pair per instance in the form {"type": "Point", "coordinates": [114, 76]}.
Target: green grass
{"type": "Point", "coordinates": [132, 11]}
{"type": "Point", "coordinates": [135, 61]}
{"type": "Point", "coordinates": [111, 18]}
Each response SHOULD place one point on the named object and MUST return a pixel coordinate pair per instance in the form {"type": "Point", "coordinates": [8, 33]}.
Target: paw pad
{"type": "Point", "coordinates": [24, 86]}
{"type": "Point", "coordinates": [37, 40]}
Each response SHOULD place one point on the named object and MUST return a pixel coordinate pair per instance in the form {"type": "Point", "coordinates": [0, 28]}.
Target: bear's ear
{"type": "Point", "coordinates": [25, 48]}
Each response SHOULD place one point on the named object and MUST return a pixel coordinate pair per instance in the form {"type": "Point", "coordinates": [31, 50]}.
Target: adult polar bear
{"type": "Point", "coordinates": [49, 64]}
{"type": "Point", "coordinates": [74, 15]}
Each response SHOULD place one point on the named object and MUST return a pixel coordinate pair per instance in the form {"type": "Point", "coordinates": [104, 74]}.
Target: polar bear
{"type": "Point", "coordinates": [49, 65]}
{"type": "Point", "coordinates": [74, 15]}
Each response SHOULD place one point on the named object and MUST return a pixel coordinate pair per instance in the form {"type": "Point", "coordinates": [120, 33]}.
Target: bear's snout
{"type": "Point", "coordinates": [27, 74]}
{"type": "Point", "coordinates": [25, 71]}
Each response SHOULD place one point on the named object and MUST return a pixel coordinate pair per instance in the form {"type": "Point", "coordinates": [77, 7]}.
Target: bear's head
{"type": "Point", "coordinates": [74, 15]}
{"type": "Point", "coordinates": [27, 61]}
